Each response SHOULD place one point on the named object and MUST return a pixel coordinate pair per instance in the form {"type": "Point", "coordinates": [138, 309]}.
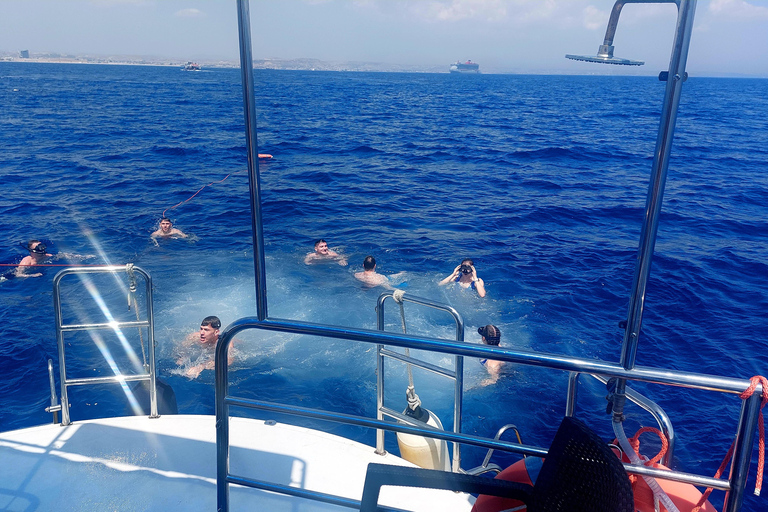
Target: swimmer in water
{"type": "Point", "coordinates": [322, 252]}
{"type": "Point", "coordinates": [371, 278]}
{"type": "Point", "coordinates": [166, 230]}
{"type": "Point", "coordinates": [465, 276]}
{"type": "Point", "coordinates": [36, 256]}
{"type": "Point", "coordinates": [490, 335]}
{"type": "Point", "coordinates": [206, 340]}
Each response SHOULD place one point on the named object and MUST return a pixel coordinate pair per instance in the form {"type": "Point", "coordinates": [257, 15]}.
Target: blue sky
{"type": "Point", "coordinates": [524, 36]}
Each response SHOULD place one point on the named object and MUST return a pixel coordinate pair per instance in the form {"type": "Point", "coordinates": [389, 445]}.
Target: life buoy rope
{"type": "Point", "coordinates": [753, 382]}
{"type": "Point", "coordinates": [53, 265]}
{"type": "Point", "coordinates": [263, 156]}
{"type": "Point", "coordinates": [201, 189]}
{"type": "Point", "coordinates": [635, 442]}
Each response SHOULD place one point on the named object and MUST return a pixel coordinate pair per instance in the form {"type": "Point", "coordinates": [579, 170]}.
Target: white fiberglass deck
{"type": "Point", "coordinates": [169, 463]}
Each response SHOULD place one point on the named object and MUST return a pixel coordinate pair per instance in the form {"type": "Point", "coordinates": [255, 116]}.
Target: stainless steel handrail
{"type": "Point", "coordinates": [458, 373]}
{"type": "Point", "coordinates": [150, 374]}
{"type": "Point", "coordinates": [744, 440]}
{"type": "Point", "coordinates": [661, 417]}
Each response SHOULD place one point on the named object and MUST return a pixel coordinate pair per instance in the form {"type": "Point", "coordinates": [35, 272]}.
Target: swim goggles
{"type": "Point", "coordinates": [38, 249]}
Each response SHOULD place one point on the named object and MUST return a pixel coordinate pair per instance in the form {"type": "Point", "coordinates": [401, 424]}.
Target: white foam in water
{"type": "Point", "coordinates": [324, 293]}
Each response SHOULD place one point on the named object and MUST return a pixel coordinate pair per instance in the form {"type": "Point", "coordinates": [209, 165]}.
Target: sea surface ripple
{"type": "Point", "coordinates": [541, 180]}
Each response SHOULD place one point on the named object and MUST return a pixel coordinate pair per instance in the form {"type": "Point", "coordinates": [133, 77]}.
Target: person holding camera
{"type": "Point", "coordinates": [465, 276]}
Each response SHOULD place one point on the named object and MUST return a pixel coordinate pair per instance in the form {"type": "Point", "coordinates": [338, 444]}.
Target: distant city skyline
{"type": "Point", "coordinates": [504, 36]}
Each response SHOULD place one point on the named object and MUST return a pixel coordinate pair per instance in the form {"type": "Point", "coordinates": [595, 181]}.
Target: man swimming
{"type": "Point", "coordinates": [206, 340]}
{"type": "Point", "coordinates": [490, 335]}
{"type": "Point", "coordinates": [36, 256]}
{"type": "Point", "coordinates": [371, 278]}
{"type": "Point", "coordinates": [323, 252]}
{"type": "Point", "coordinates": [166, 230]}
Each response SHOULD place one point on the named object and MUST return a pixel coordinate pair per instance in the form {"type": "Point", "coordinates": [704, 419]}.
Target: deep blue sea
{"type": "Point", "coordinates": [541, 180]}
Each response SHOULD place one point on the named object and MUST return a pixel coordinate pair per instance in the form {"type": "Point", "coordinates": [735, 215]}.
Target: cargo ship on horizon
{"type": "Point", "coordinates": [465, 67]}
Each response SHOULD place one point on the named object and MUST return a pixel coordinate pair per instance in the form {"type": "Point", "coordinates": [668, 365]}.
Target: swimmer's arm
{"type": "Point", "coordinates": [397, 278]}
{"type": "Point", "coordinates": [178, 232]}
{"type": "Point", "coordinates": [20, 273]}
{"type": "Point", "coordinates": [451, 277]}
{"type": "Point", "coordinates": [183, 348]}
{"type": "Point", "coordinates": [384, 281]}
{"type": "Point", "coordinates": [480, 287]}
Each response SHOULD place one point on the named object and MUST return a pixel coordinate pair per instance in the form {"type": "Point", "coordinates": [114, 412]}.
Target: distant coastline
{"type": "Point", "coordinates": [284, 64]}
{"type": "Point", "coordinates": [319, 65]}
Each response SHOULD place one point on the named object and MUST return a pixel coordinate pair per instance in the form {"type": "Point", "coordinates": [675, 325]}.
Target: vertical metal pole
{"type": "Point", "coordinates": [686, 10]}
{"type": "Point", "coordinates": [151, 347]}
{"type": "Point", "coordinates": [221, 391]}
{"type": "Point", "coordinates": [458, 398]}
{"type": "Point", "coordinates": [380, 378]}
{"type": "Point", "coordinates": [573, 393]}
{"type": "Point", "coordinates": [249, 109]}
{"type": "Point", "coordinates": [60, 344]}
{"type": "Point", "coordinates": [742, 453]}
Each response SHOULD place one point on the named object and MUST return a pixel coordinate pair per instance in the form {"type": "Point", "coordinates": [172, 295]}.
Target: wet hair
{"type": "Point", "coordinates": [31, 243]}
{"type": "Point", "coordinates": [320, 241]}
{"type": "Point", "coordinates": [213, 321]}
{"type": "Point", "coordinates": [491, 333]}
{"type": "Point", "coordinates": [166, 218]}
{"type": "Point", "coordinates": [369, 263]}
{"type": "Point", "coordinates": [468, 261]}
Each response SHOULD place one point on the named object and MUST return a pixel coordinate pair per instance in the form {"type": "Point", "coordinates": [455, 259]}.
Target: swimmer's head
{"type": "Point", "coordinates": [213, 321]}
{"type": "Point", "coordinates": [467, 261]}
{"type": "Point", "coordinates": [369, 263]}
{"type": "Point", "coordinates": [165, 225]}
{"type": "Point", "coordinates": [321, 246]}
{"type": "Point", "coordinates": [36, 247]}
{"type": "Point", "coordinates": [209, 329]}
{"type": "Point", "coordinates": [490, 333]}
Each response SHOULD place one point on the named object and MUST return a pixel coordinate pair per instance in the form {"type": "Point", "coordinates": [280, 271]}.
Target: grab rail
{"type": "Point", "coordinates": [61, 328]}
{"type": "Point", "coordinates": [661, 417]}
{"type": "Point", "coordinates": [457, 374]}
{"type": "Point", "coordinates": [734, 486]}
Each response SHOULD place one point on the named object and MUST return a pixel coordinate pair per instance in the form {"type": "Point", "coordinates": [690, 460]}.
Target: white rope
{"type": "Point", "coordinates": [410, 394]}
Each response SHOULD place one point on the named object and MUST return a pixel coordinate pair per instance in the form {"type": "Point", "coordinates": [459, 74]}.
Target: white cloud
{"type": "Point", "coordinates": [593, 18]}
{"type": "Point", "coordinates": [738, 9]}
{"type": "Point", "coordinates": [516, 11]}
{"type": "Point", "coordinates": [189, 13]}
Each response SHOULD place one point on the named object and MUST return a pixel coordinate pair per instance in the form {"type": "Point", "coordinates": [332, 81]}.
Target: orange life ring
{"type": "Point", "coordinates": [684, 496]}
{"type": "Point", "coordinates": [517, 472]}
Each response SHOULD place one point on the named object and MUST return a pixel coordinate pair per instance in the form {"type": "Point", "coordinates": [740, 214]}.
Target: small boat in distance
{"type": "Point", "coordinates": [465, 67]}
{"type": "Point", "coordinates": [192, 66]}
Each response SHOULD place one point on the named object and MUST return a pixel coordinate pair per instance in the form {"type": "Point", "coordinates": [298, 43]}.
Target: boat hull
{"type": "Point", "coordinates": [169, 463]}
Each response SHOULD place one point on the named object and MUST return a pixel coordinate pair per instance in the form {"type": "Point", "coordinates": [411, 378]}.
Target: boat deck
{"type": "Point", "coordinates": [169, 463]}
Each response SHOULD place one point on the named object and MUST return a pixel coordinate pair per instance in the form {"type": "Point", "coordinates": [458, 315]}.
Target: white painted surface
{"type": "Point", "coordinates": [136, 463]}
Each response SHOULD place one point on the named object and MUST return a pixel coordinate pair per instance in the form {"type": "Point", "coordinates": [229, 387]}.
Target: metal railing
{"type": "Point", "coordinates": [457, 374]}
{"type": "Point", "coordinates": [734, 485]}
{"type": "Point", "coordinates": [61, 328]}
{"type": "Point", "coordinates": [661, 417]}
